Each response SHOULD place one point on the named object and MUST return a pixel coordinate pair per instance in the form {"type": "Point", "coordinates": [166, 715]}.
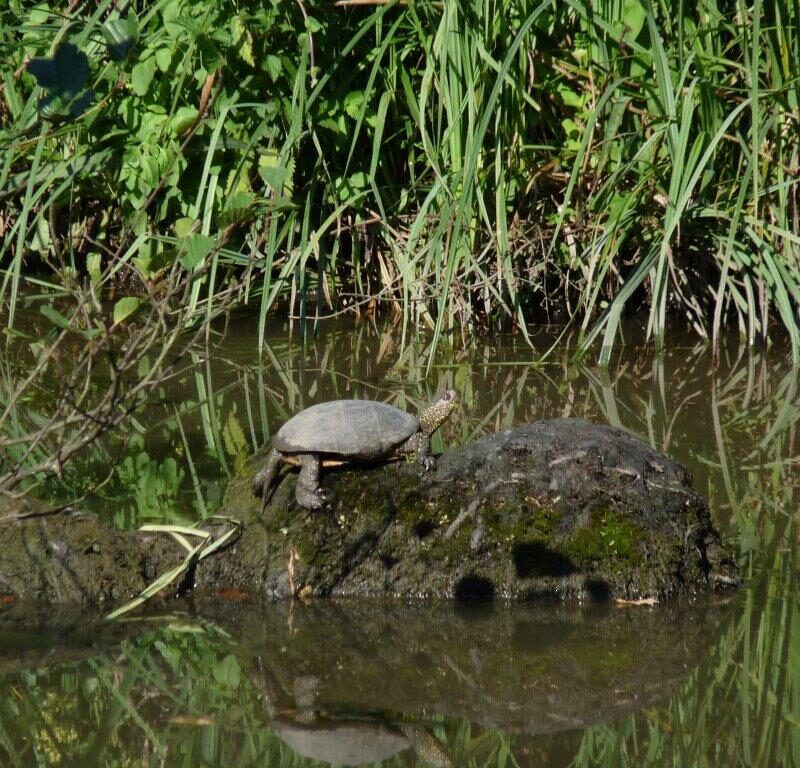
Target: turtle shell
{"type": "Point", "coordinates": [355, 429]}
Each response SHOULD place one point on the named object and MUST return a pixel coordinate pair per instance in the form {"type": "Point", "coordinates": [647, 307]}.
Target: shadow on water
{"type": "Point", "coordinates": [473, 684]}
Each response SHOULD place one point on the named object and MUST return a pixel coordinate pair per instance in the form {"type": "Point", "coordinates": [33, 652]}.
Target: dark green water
{"type": "Point", "coordinates": [229, 683]}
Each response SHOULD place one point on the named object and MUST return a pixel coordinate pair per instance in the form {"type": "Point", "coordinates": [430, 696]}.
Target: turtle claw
{"type": "Point", "coordinates": [315, 500]}
{"type": "Point", "coordinates": [428, 462]}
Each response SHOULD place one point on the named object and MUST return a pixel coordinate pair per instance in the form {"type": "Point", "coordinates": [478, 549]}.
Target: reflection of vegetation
{"type": "Point", "coordinates": [174, 696]}
{"type": "Point", "coordinates": [67, 381]}
{"type": "Point", "coordinates": [166, 693]}
{"type": "Point", "coordinates": [740, 707]}
{"type": "Point", "coordinates": [734, 424]}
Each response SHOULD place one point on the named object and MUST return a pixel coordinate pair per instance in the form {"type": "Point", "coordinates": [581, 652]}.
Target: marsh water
{"type": "Point", "coordinates": [228, 681]}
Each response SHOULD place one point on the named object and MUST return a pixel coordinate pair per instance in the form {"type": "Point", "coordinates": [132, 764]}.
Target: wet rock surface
{"type": "Point", "coordinates": [560, 508]}
{"type": "Point", "coordinates": [66, 557]}
{"type": "Point", "coordinates": [533, 669]}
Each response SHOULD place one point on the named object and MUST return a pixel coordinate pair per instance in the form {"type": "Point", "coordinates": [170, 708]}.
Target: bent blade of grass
{"type": "Point", "coordinates": [207, 546]}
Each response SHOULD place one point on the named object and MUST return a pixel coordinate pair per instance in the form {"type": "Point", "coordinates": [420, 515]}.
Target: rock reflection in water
{"type": "Point", "coordinates": [343, 682]}
{"type": "Point", "coordinates": [530, 669]}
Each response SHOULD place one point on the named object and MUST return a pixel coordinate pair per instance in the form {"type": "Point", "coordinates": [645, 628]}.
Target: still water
{"type": "Point", "coordinates": [225, 681]}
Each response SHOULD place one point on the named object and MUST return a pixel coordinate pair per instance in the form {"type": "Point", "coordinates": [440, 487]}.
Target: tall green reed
{"type": "Point", "coordinates": [468, 165]}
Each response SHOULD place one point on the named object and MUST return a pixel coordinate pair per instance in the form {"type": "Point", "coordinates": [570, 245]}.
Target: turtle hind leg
{"type": "Point", "coordinates": [265, 477]}
{"type": "Point", "coordinates": [308, 493]}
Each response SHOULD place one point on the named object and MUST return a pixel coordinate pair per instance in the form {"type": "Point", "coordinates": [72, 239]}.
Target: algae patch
{"type": "Point", "coordinates": [607, 536]}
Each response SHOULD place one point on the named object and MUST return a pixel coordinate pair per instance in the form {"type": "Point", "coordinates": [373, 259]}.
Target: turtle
{"type": "Point", "coordinates": [340, 432]}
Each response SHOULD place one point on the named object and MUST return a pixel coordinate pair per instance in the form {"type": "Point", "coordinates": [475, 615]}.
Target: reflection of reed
{"type": "Point", "coordinates": [740, 707]}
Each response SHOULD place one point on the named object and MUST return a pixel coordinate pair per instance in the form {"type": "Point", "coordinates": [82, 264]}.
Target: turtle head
{"type": "Point", "coordinates": [436, 414]}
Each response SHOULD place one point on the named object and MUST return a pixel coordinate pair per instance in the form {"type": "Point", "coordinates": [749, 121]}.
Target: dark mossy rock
{"type": "Point", "coordinates": [66, 557]}
{"type": "Point", "coordinates": [560, 508]}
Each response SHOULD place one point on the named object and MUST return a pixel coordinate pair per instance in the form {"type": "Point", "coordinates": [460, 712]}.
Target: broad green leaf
{"type": "Point", "coordinates": [163, 58]}
{"type": "Point", "coordinates": [142, 75]}
{"type": "Point", "coordinates": [151, 172]}
{"type": "Point", "coordinates": [242, 40]}
{"type": "Point", "coordinates": [194, 249]}
{"type": "Point", "coordinates": [121, 36]}
{"type": "Point", "coordinates": [238, 208]}
{"type": "Point", "coordinates": [353, 103]}
{"type": "Point", "coordinates": [228, 672]}
{"type": "Point", "coordinates": [273, 66]}
{"type": "Point", "coordinates": [275, 175]}
{"type": "Point", "coordinates": [634, 15]}
{"type": "Point", "coordinates": [185, 225]}
{"type": "Point", "coordinates": [94, 267]}
{"type": "Point", "coordinates": [184, 118]}
{"type": "Point", "coordinates": [312, 25]}
{"type": "Point", "coordinates": [125, 307]}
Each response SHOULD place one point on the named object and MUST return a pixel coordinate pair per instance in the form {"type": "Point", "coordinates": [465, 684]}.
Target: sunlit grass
{"type": "Point", "coordinates": [460, 165]}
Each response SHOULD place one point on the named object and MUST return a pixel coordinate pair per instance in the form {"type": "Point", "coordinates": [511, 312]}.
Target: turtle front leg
{"type": "Point", "coordinates": [308, 493]}
{"type": "Point", "coordinates": [419, 446]}
{"type": "Point", "coordinates": [264, 477]}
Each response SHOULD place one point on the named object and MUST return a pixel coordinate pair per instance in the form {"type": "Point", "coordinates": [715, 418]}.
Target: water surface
{"type": "Point", "coordinates": [227, 682]}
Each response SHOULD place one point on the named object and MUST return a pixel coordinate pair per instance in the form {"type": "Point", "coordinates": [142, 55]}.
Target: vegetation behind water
{"type": "Point", "coordinates": [462, 164]}
{"type": "Point", "coordinates": [459, 166]}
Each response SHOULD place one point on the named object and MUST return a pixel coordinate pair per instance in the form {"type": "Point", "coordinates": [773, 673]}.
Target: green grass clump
{"type": "Point", "coordinates": [467, 165]}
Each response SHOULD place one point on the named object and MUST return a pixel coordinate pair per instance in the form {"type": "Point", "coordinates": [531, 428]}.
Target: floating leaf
{"type": "Point", "coordinates": [125, 307]}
